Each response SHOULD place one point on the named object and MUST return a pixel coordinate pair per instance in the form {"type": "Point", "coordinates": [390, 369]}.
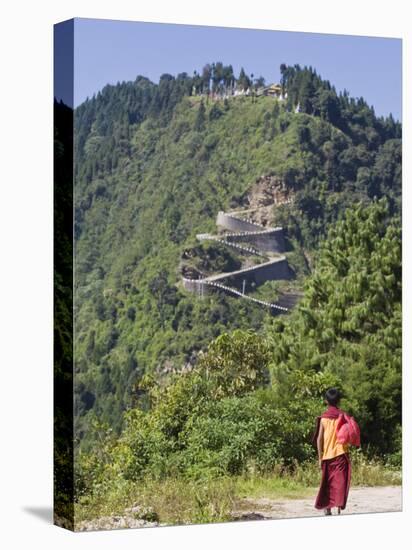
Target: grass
{"type": "Point", "coordinates": [183, 501]}
{"type": "Point", "coordinates": [174, 500]}
{"type": "Point", "coordinates": [270, 486]}
{"type": "Point", "coordinates": [373, 473]}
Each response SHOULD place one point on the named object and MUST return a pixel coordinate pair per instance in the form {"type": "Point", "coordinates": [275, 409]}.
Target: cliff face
{"type": "Point", "coordinates": [265, 193]}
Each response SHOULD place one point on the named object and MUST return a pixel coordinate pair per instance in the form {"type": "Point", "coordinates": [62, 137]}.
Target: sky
{"type": "Point", "coordinates": [107, 52]}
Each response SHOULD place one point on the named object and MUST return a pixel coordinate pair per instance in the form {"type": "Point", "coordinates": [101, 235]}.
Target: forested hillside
{"type": "Point", "coordinates": [154, 163]}
{"type": "Point", "coordinates": [251, 400]}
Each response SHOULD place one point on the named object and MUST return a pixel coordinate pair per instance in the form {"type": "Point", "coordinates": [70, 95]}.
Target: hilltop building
{"type": "Point", "coordinates": [273, 90]}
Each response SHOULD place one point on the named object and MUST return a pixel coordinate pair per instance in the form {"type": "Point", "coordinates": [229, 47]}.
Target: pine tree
{"type": "Point", "coordinates": [200, 117]}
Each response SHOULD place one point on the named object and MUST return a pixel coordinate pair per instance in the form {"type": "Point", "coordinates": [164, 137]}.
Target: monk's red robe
{"type": "Point", "coordinates": [336, 473]}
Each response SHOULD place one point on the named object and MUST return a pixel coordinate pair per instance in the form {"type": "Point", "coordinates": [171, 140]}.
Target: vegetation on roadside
{"type": "Point", "coordinates": [182, 501]}
{"type": "Point", "coordinates": [186, 405]}
{"type": "Point", "coordinates": [247, 408]}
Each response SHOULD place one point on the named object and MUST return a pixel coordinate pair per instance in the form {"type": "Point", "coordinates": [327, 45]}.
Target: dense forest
{"type": "Point", "coordinates": [252, 398]}
{"type": "Point", "coordinates": [154, 163]}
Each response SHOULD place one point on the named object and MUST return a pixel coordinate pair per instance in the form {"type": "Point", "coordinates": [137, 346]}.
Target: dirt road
{"type": "Point", "coordinates": [361, 500]}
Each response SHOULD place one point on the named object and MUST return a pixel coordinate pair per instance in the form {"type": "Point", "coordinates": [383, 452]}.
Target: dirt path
{"type": "Point", "coordinates": [361, 500]}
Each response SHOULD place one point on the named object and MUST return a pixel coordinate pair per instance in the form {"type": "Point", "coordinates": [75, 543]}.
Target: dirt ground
{"type": "Point", "coordinates": [361, 500]}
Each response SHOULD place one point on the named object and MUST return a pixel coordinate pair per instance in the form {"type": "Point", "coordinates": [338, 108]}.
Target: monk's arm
{"type": "Point", "coordinates": [319, 443]}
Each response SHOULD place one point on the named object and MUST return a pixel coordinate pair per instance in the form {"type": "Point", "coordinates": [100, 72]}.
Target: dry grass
{"type": "Point", "coordinates": [183, 501]}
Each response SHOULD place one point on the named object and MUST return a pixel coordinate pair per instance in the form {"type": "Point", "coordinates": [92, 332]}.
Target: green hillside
{"type": "Point", "coordinates": [154, 163]}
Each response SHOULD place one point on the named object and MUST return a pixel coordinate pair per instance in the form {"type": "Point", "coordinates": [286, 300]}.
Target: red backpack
{"type": "Point", "coordinates": [347, 430]}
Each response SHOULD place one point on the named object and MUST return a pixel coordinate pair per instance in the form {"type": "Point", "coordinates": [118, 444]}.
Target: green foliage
{"type": "Point", "coordinates": [173, 501]}
{"type": "Point", "coordinates": [348, 326]}
{"type": "Point", "coordinates": [181, 500]}
{"type": "Point", "coordinates": [235, 364]}
{"type": "Point", "coordinates": [154, 163]}
{"type": "Point", "coordinates": [215, 112]}
{"type": "Point", "coordinates": [353, 116]}
{"type": "Point", "coordinates": [200, 118]}
{"type": "Point", "coordinates": [225, 417]}
{"type": "Point", "coordinates": [221, 418]}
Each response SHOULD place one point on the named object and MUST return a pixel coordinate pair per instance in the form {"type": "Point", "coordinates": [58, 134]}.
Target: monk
{"type": "Point", "coordinates": [333, 458]}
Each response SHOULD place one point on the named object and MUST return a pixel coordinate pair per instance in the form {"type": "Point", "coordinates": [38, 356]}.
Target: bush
{"type": "Point", "coordinates": [131, 313]}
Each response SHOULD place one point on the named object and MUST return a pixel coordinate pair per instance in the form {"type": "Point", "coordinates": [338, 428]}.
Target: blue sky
{"type": "Point", "coordinates": [110, 51]}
